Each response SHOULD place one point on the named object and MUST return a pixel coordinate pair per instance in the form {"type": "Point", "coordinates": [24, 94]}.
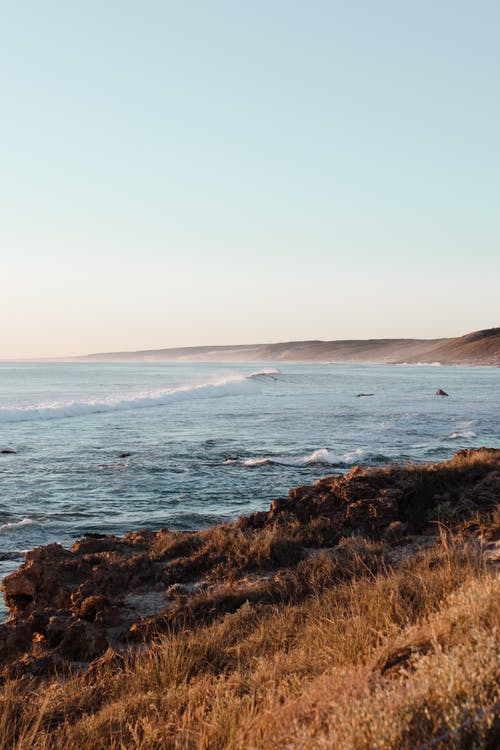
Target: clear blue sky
{"type": "Point", "coordinates": [182, 173]}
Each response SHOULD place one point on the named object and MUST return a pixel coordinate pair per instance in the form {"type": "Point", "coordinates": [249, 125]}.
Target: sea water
{"type": "Point", "coordinates": [208, 442]}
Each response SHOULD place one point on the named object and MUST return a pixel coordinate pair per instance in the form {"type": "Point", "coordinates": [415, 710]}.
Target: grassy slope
{"type": "Point", "coordinates": [374, 646]}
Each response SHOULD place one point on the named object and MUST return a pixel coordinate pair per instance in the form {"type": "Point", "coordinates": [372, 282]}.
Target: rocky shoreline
{"type": "Point", "coordinates": [106, 594]}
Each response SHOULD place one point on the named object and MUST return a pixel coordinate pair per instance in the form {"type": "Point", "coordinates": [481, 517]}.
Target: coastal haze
{"type": "Point", "coordinates": [478, 348]}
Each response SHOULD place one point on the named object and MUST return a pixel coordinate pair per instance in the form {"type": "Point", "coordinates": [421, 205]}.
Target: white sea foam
{"type": "Point", "coordinates": [461, 434]}
{"type": "Point", "coordinates": [6, 527]}
{"type": "Point", "coordinates": [232, 385]}
{"type": "Point", "coordinates": [272, 374]}
{"type": "Point", "coordinates": [320, 456]}
{"type": "Point", "coordinates": [421, 364]}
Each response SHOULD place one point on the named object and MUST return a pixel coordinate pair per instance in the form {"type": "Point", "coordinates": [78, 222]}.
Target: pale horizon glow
{"type": "Point", "coordinates": [209, 174]}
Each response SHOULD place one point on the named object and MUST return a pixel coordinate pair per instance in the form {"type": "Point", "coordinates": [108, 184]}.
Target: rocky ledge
{"type": "Point", "coordinates": [108, 593]}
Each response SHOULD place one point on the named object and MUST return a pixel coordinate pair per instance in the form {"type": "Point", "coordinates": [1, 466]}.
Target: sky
{"type": "Point", "coordinates": [191, 173]}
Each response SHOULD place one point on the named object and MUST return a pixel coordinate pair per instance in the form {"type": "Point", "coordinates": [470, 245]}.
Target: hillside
{"type": "Point", "coordinates": [478, 348]}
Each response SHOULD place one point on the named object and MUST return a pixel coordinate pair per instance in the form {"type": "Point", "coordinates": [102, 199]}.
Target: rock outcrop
{"type": "Point", "coordinates": [68, 606]}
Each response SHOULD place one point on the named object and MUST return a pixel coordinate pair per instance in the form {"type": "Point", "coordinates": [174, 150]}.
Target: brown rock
{"type": "Point", "coordinates": [111, 617]}
{"type": "Point", "coordinates": [15, 637]}
{"type": "Point", "coordinates": [56, 629]}
{"type": "Point", "coordinates": [92, 606]}
{"type": "Point", "coordinates": [82, 641]}
{"type": "Point", "coordinates": [22, 583]}
{"type": "Point", "coordinates": [485, 494]}
{"type": "Point", "coordinates": [92, 543]}
{"type": "Point", "coordinates": [50, 552]}
{"type": "Point", "coordinates": [36, 666]}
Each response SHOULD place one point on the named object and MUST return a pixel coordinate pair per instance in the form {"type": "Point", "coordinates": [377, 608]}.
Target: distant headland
{"type": "Point", "coordinates": [478, 348]}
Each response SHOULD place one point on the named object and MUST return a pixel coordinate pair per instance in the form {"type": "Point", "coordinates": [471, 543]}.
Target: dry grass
{"type": "Point", "coordinates": [227, 552]}
{"type": "Point", "coordinates": [342, 652]}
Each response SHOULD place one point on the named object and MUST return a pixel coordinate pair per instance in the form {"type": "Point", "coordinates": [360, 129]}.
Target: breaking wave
{"type": "Point", "coordinates": [262, 374]}
{"type": "Point", "coordinates": [461, 434]}
{"type": "Point", "coordinates": [321, 456]}
{"type": "Point", "coordinates": [6, 527]}
{"type": "Point", "coordinates": [230, 386]}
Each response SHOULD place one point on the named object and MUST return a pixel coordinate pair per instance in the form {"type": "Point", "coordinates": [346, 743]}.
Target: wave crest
{"type": "Point", "coordinates": [272, 374]}
{"type": "Point", "coordinates": [461, 434]}
{"type": "Point", "coordinates": [321, 456]}
{"type": "Point", "coordinates": [230, 386]}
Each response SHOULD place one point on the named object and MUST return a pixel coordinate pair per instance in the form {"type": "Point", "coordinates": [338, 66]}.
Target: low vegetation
{"type": "Point", "coordinates": [368, 644]}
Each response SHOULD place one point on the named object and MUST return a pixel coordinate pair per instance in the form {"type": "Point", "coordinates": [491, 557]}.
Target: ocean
{"type": "Point", "coordinates": [112, 447]}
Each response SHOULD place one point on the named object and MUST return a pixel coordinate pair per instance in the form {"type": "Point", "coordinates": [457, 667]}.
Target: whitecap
{"type": "Point", "coordinates": [320, 456]}
{"type": "Point", "coordinates": [6, 527]}
{"type": "Point", "coordinates": [461, 434]}
{"type": "Point", "coordinates": [256, 461]}
{"type": "Point", "coordinates": [270, 373]}
{"type": "Point", "coordinates": [232, 385]}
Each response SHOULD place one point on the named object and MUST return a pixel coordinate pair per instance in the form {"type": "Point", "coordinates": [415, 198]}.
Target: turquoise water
{"type": "Point", "coordinates": [210, 441]}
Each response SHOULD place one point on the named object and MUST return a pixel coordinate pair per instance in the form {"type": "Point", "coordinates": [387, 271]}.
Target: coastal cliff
{"type": "Point", "coordinates": [257, 588]}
